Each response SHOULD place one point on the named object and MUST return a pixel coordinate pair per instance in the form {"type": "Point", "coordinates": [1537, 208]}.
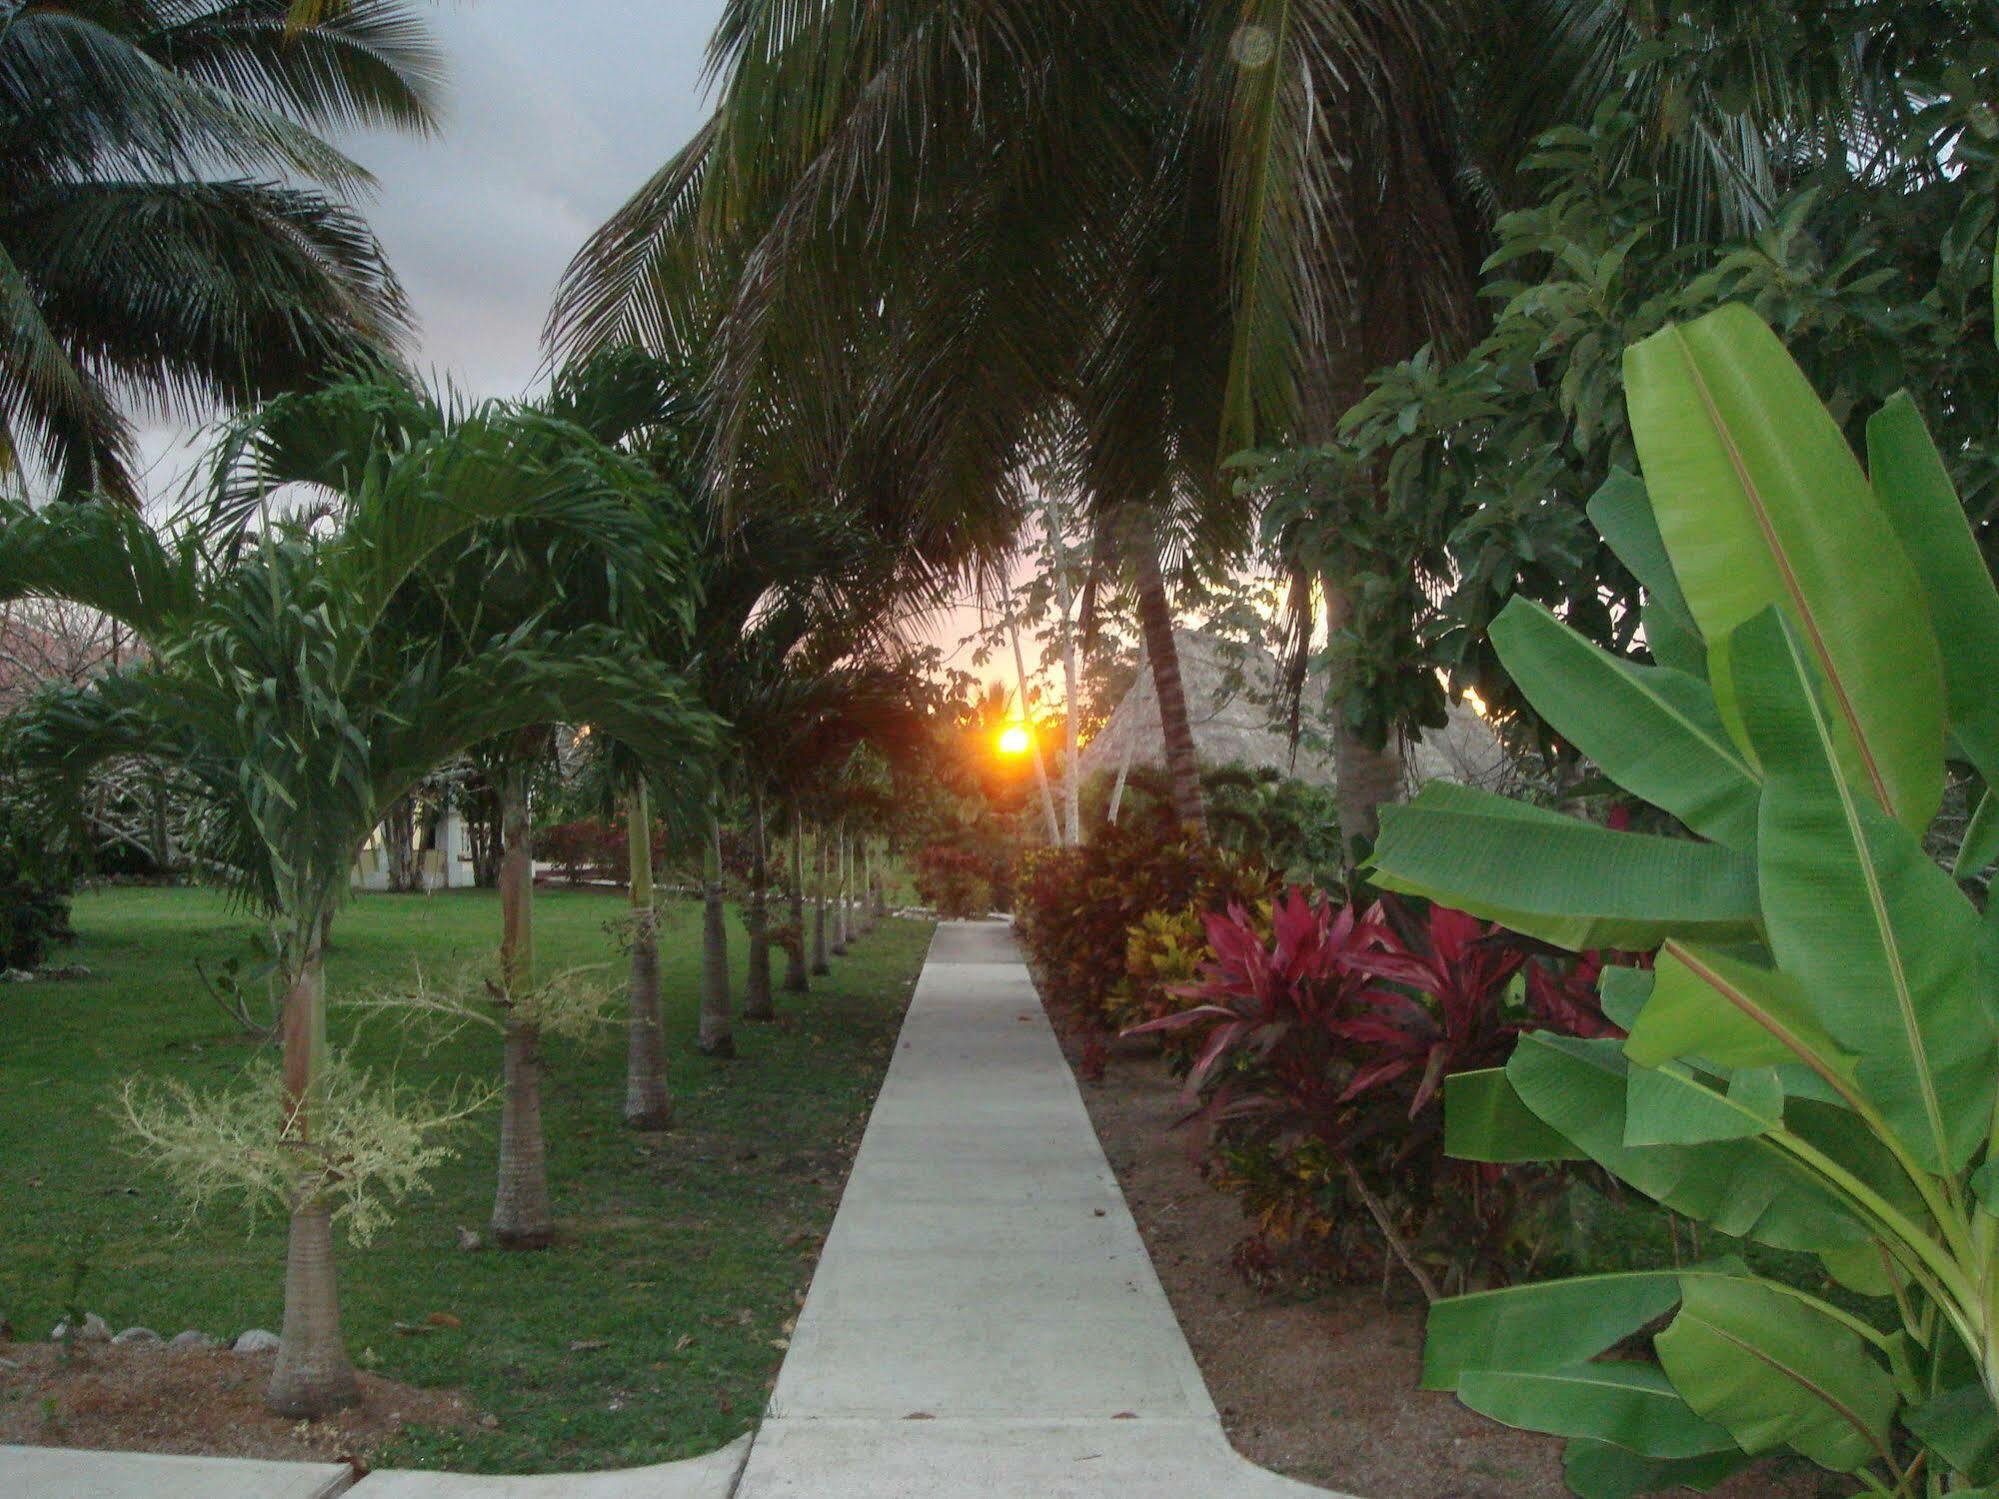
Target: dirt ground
{"type": "Point", "coordinates": [1320, 1387]}
{"type": "Point", "coordinates": [152, 1399]}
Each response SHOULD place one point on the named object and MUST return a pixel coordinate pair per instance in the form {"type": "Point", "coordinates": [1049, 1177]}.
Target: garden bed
{"type": "Point", "coordinates": [1313, 1381]}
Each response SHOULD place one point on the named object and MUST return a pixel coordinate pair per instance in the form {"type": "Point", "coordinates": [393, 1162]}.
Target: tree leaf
{"type": "Point", "coordinates": [1543, 1327]}
{"type": "Point", "coordinates": [1484, 1120]}
{"type": "Point", "coordinates": [1632, 1405]}
{"type": "Point", "coordinates": [1597, 1470]}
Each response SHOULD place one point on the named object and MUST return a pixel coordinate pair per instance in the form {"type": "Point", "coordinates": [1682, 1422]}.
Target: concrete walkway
{"type": "Point", "coordinates": [985, 1319]}
{"type": "Point", "coordinates": [984, 1323]}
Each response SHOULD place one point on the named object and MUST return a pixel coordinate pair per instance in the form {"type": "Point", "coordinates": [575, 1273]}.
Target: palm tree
{"type": "Point", "coordinates": [290, 684]}
{"type": "Point", "coordinates": [522, 572]}
{"type": "Point", "coordinates": [174, 231]}
{"type": "Point", "coordinates": [1145, 236]}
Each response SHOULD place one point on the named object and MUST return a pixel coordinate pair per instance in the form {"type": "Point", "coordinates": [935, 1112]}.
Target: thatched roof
{"type": "Point", "coordinates": [1230, 690]}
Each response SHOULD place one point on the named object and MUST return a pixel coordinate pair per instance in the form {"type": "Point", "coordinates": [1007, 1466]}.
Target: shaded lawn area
{"type": "Point", "coordinates": [685, 1254]}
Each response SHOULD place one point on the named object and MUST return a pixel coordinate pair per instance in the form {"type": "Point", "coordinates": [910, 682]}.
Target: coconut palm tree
{"type": "Point", "coordinates": [291, 684]}
{"type": "Point", "coordinates": [1152, 234]}
{"type": "Point", "coordinates": [175, 232]}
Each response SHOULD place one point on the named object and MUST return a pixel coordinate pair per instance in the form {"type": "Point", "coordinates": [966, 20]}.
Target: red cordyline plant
{"type": "Point", "coordinates": [1327, 1046]}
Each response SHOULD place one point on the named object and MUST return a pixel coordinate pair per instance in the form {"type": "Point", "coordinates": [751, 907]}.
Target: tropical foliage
{"type": "Point", "coordinates": [1812, 1066]}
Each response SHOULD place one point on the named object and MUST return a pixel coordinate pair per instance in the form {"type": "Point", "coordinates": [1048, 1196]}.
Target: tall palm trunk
{"type": "Point", "coordinates": [820, 962]}
{"type": "Point", "coordinates": [1183, 766]}
{"type": "Point", "coordinates": [795, 980]}
{"type": "Point", "coordinates": [864, 895]}
{"type": "Point", "coordinates": [1072, 807]}
{"type": "Point", "coordinates": [312, 1377]}
{"type": "Point", "coordinates": [717, 1036]}
{"type": "Point", "coordinates": [840, 888]}
{"type": "Point", "coordinates": [648, 1105]}
{"type": "Point", "coordinates": [881, 884]}
{"type": "Point", "coordinates": [522, 1216]}
{"type": "Point", "coordinates": [758, 1003]}
{"type": "Point", "coordinates": [1367, 777]}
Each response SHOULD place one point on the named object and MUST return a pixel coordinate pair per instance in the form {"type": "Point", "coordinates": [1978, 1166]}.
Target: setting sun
{"type": "Point", "coordinates": [1014, 740]}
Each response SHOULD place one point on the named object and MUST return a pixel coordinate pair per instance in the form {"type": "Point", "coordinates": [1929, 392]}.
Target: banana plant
{"type": "Point", "coordinates": [1814, 1064]}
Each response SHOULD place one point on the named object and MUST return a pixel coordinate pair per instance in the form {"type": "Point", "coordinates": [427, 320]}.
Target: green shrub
{"type": "Point", "coordinates": [1814, 1065]}
{"type": "Point", "coordinates": [952, 882]}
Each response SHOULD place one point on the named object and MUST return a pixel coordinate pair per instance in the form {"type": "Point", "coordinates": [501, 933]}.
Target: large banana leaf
{"type": "Point", "coordinates": [1484, 1120]}
{"type": "Point", "coordinates": [1961, 1427]}
{"type": "Point", "coordinates": [1733, 1014]}
{"type": "Point", "coordinates": [1915, 490]}
{"type": "Point", "coordinates": [1632, 1405]}
{"type": "Point", "coordinates": [1570, 883]}
{"type": "Point", "coordinates": [1668, 1105]}
{"type": "Point", "coordinates": [1654, 731]}
{"type": "Point", "coordinates": [1881, 939]}
{"type": "Point", "coordinates": [1777, 1371]}
{"type": "Point", "coordinates": [1761, 502]}
{"type": "Point", "coordinates": [1543, 1327]}
{"type": "Point", "coordinates": [1749, 1187]}
{"type": "Point", "coordinates": [1597, 1470]}
{"type": "Point", "coordinates": [1622, 513]}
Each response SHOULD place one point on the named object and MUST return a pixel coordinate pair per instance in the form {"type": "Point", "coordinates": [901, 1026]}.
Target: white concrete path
{"type": "Point", "coordinates": [985, 1320]}
{"type": "Point", "coordinates": [984, 1323]}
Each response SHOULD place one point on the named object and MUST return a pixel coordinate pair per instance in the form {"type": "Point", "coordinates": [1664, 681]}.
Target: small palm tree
{"type": "Point", "coordinates": [174, 230]}
{"type": "Point", "coordinates": [292, 684]}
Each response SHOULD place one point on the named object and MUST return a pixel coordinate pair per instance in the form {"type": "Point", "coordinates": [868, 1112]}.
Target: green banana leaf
{"type": "Point", "coordinates": [1631, 1405]}
{"type": "Point", "coordinates": [1915, 490]}
{"type": "Point", "coordinates": [1654, 731]}
{"type": "Point", "coordinates": [1981, 839]}
{"type": "Point", "coordinates": [1778, 1372]}
{"type": "Point", "coordinates": [1570, 883]}
{"type": "Point", "coordinates": [1882, 941]}
{"type": "Point", "coordinates": [1622, 515]}
{"type": "Point", "coordinates": [1749, 1188]}
{"type": "Point", "coordinates": [1761, 503]}
{"type": "Point", "coordinates": [1670, 1106]}
{"type": "Point", "coordinates": [1484, 1120]}
{"type": "Point", "coordinates": [1542, 1327]}
{"type": "Point", "coordinates": [1733, 1014]}
{"type": "Point", "coordinates": [1597, 1470]}
{"type": "Point", "coordinates": [1961, 1427]}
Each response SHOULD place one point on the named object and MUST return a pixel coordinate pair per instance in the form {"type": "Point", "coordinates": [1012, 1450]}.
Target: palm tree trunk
{"type": "Point", "coordinates": [717, 1038]}
{"type": "Point", "coordinates": [1183, 767]}
{"type": "Point", "coordinates": [1072, 806]}
{"type": "Point", "coordinates": [820, 962]}
{"type": "Point", "coordinates": [1368, 778]}
{"type": "Point", "coordinates": [795, 980]}
{"type": "Point", "coordinates": [840, 888]}
{"type": "Point", "coordinates": [864, 901]}
{"type": "Point", "coordinates": [648, 1104]}
{"type": "Point", "coordinates": [881, 884]}
{"type": "Point", "coordinates": [1033, 739]}
{"type": "Point", "coordinates": [522, 1218]}
{"type": "Point", "coordinates": [758, 1003]}
{"type": "Point", "coordinates": [312, 1377]}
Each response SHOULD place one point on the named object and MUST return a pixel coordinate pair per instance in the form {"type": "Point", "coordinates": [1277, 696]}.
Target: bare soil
{"type": "Point", "coordinates": [208, 1402]}
{"type": "Point", "coordinates": [1313, 1381]}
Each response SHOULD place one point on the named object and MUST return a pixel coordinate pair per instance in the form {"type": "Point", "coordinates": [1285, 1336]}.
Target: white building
{"type": "Point", "coordinates": [443, 859]}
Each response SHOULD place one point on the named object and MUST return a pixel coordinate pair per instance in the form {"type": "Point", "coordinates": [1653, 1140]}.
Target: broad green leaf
{"type": "Point", "coordinates": [1484, 1120]}
{"type": "Point", "coordinates": [1882, 940]}
{"type": "Point", "coordinates": [1733, 1014]}
{"type": "Point", "coordinates": [1761, 503]}
{"type": "Point", "coordinates": [1865, 1268]}
{"type": "Point", "coordinates": [1961, 1427]}
{"type": "Point", "coordinates": [1915, 490]}
{"type": "Point", "coordinates": [1669, 1106]}
{"type": "Point", "coordinates": [1622, 514]}
{"type": "Point", "coordinates": [1654, 731]}
{"type": "Point", "coordinates": [1745, 1187]}
{"type": "Point", "coordinates": [1981, 839]}
{"type": "Point", "coordinates": [1541, 1327]}
{"type": "Point", "coordinates": [1623, 992]}
{"type": "Point", "coordinates": [1777, 1372]}
{"type": "Point", "coordinates": [1570, 883]}
{"type": "Point", "coordinates": [1632, 1405]}
{"type": "Point", "coordinates": [1597, 1470]}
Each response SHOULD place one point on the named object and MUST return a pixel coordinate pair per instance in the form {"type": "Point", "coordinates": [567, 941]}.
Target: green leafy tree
{"type": "Point", "coordinates": [175, 232]}
{"type": "Point", "coordinates": [1814, 1062]}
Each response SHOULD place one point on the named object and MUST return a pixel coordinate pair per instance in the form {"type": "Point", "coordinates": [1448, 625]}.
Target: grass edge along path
{"type": "Point", "coordinates": [654, 1327]}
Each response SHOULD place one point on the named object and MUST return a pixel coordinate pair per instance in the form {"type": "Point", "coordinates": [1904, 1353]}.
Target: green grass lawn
{"type": "Point", "coordinates": [684, 1254]}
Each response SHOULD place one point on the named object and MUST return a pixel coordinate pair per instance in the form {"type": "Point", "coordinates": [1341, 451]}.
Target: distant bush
{"type": "Point", "coordinates": [952, 881]}
{"type": "Point", "coordinates": [36, 875]}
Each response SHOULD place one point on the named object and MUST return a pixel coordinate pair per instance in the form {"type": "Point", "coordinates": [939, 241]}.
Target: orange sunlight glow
{"type": "Point", "coordinates": [1014, 740]}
